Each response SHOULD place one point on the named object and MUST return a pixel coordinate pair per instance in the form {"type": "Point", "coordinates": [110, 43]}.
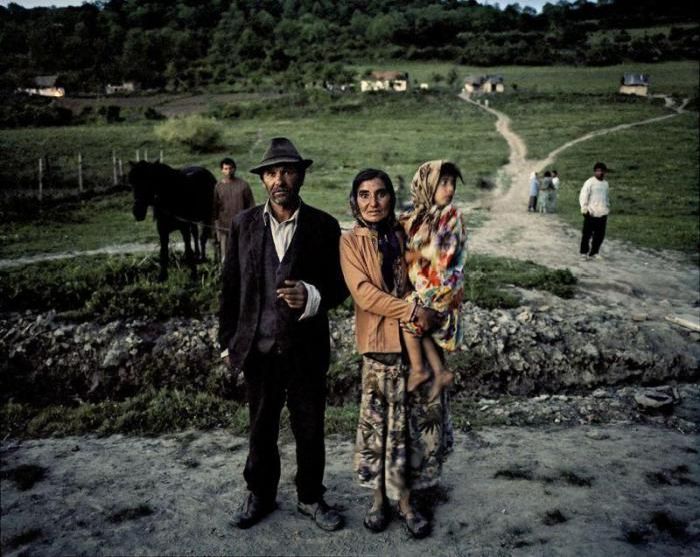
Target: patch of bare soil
{"type": "Point", "coordinates": [613, 489]}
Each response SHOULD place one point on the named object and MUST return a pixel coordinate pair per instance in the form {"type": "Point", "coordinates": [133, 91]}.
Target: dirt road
{"type": "Point", "coordinates": [599, 491]}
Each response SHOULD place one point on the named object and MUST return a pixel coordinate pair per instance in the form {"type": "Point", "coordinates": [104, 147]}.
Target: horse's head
{"type": "Point", "coordinates": [142, 182]}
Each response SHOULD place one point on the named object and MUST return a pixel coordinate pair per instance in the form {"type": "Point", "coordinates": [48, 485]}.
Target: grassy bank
{"type": "Point", "coordinates": [113, 287]}
{"type": "Point", "coordinates": [107, 288]}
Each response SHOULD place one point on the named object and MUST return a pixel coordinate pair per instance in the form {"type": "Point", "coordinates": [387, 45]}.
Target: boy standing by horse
{"type": "Point", "coordinates": [231, 196]}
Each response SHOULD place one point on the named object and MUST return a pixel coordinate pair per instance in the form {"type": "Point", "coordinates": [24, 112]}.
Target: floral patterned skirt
{"type": "Point", "coordinates": [402, 439]}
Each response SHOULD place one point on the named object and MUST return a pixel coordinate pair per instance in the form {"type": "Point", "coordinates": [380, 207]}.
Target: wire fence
{"type": "Point", "coordinates": [53, 177]}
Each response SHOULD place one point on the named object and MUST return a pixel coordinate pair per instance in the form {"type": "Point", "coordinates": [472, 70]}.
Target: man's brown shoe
{"type": "Point", "coordinates": [254, 509]}
{"type": "Point", "coordinates": [325, 517]}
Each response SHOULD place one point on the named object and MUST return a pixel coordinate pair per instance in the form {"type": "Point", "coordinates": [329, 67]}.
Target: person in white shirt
{"type": "Point", "coordinates": [595, 207]}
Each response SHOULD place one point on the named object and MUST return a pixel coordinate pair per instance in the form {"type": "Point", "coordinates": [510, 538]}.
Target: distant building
{"type": "Point", "coordinates": [124, 87]}
{"type": "Point", "coordinates": [484, 84]}
{"type": "Point", "coordinates": [45, 86]}
{"type": "Point", "coordinates": [338, 87]}
{"type": "Point", "coordinates": [385, 81]}
{"type": "Point", "coordinates": [634, 84]}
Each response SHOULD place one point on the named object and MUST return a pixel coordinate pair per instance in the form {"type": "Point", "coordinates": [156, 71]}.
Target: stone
{"type": "Point", "coordinates": [653, 399]}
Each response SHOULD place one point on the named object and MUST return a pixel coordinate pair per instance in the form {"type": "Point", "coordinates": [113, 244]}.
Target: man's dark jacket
{"type": "Point", "coordinates": [317, 262]}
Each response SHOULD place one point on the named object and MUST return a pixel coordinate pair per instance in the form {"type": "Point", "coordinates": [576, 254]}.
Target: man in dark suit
{"type": "Point", "coordinates": [281, 276]}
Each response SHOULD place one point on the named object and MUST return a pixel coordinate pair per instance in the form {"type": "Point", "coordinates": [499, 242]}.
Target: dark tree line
{"type": "Point", "coordinates": [189, 43]}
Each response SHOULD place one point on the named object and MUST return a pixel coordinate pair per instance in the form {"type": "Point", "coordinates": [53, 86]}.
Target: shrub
{"type": "Point", "coordinates": [198, 133]}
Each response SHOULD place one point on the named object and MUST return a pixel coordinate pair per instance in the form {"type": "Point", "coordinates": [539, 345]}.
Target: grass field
{"type": "Point", "coordinates": [677, 78]}
{"type": "Point", "coordinates": [551, 106]}
{"type": "Point", "coordinates": [653, 177]}
{"type": "Point", "coordinates": [384, 131]}
{"type": "Point", "coordinates": [546, 121]}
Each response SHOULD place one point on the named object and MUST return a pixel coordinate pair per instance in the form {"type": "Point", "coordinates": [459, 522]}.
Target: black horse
{"type": "Point", "coordinates": [181, 200]}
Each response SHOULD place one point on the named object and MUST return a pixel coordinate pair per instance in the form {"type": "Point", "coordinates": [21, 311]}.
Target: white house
{"type": "Point", "coordinates": [45, 86]}
{"type": "Point", "coordinates": [124, 87]}
{"type": "Point", "coordinates": [634, 84]}
{"type": "Point", "coordinates": [484, 84]}
{"type": "Point", "coordinates": [385, 81]}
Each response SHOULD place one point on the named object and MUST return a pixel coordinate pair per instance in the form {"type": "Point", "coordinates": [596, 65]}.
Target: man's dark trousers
{"type": "Point", "coordinates": [271, 379]}
{"type": "Point", "coordinates": [593, 227]}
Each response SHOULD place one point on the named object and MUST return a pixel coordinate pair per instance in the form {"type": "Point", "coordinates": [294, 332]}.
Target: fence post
{"type": "Point", "coordinates": [138, 155]}
{"type": "Point", "coordinates": [145, 154]}
{"type": "Point", "coordinates": [121, 172]}
{"type": "Point", "coordinates": [114, 168]}
{"type": "Point", "coordinates": [80, 174]}
{"type": "Point", "coordinates": [41, 178]}
{"type": "Point", "coordinates": [160, 156]}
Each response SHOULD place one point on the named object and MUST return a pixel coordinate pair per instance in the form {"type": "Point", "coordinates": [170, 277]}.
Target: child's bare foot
{"type": "Point", "coordinates": [443, 379]}
{"type": "Point", "coordinates": [415, 378]}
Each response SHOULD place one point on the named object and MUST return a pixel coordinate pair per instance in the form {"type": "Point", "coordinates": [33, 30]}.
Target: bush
{"type": "Point", "coordinates": [196, 132]}
{"type": "Point", "coordinates": [18, 110]}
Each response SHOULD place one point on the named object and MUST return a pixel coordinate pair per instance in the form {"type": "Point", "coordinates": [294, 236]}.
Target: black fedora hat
{"type": "Point", "coordinates": [281, 151]}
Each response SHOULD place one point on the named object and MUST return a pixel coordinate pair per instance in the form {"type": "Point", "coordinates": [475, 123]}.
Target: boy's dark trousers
{"type": "Point", "coordinates": [532, 203]}
{"type": "Point", "coordinates": [593, 227]}
{"type": "Point", "coordinates": [271, 379]}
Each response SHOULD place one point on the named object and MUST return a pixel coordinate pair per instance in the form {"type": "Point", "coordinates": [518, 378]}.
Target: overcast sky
{"type": "Point", "coordinates": [537, 4]}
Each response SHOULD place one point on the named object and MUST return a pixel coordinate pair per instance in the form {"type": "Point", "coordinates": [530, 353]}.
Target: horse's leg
{"type": "Point", "coordinates": [195, 237]}
{"type": "Point", "coordinates": [189, 255]}
{"type": "Point", "coordinates": [206, 232]}
{"type": "Point", "coordinates": [163, 234]}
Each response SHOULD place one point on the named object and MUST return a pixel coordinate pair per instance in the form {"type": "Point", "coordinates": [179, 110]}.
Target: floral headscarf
{"type": "Point", "coordinates": [424, 184]}
{"type": "Point", "coordinates": [423, 187]}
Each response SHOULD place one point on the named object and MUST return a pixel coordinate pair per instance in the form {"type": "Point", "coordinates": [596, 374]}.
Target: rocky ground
{"type": "Point", "coordinates": [548, 345]}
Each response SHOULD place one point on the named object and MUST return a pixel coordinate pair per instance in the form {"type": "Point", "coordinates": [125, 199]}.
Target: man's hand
{"type": "Point", "coordinates": [428, 319]}
{"type": "Point", "coordinates": [294, 293]}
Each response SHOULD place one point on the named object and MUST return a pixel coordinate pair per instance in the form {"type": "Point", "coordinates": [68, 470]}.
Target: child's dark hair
{"type": "Point", "coordinates": [229, 161]}
{"type": "Point", "coordinates": [548, 174]}
{"type": "Point", "coordinates": [600, 165]}
{"type": "Point", "coordinates": [450, 169]}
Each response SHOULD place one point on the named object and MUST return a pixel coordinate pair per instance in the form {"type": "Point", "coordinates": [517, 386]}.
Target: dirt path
{"type": "Point", "coordinates": [648, 283]}
{"type": "Point", "coordinates": [620, 490]}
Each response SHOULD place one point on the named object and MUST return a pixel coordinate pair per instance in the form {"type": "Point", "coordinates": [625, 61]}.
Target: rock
{"type": "Point", "coordinates": [653, 400]}
{"type": "Point", "coordinates": [639, 316]}
{"type": "Point", "coordinates": [524, 316]}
